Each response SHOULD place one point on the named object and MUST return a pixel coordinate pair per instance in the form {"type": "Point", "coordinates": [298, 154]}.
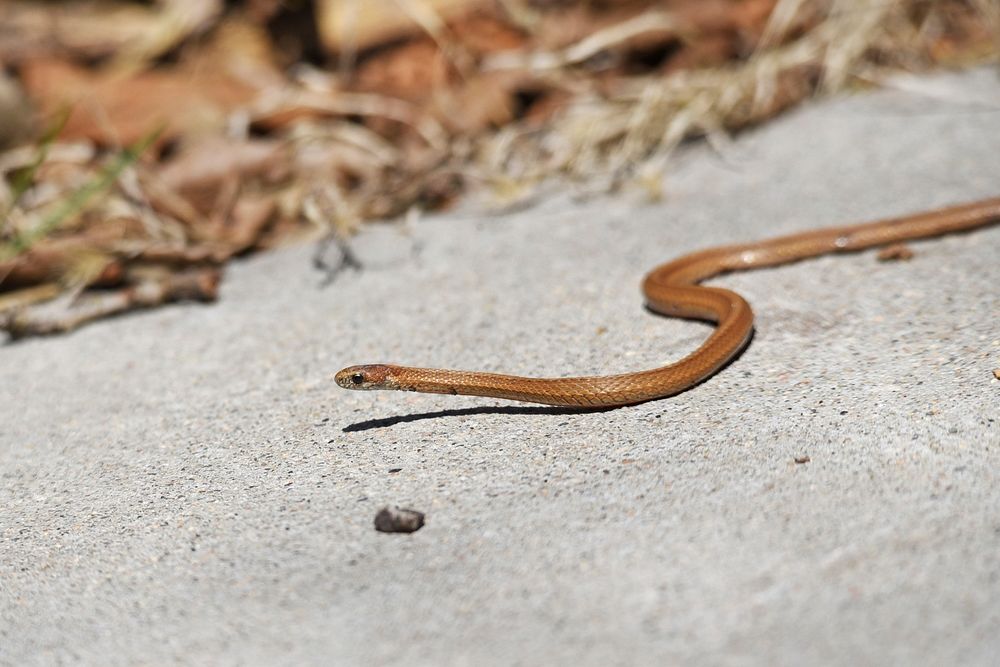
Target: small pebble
{"type": "Point", "coordinates": [393, 519]}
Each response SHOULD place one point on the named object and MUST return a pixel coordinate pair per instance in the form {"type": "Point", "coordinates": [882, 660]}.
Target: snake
{"type": "Point", "coordinates": [673, 289]}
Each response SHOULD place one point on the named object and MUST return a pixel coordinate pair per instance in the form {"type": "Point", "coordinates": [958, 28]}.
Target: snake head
{"type": "Point", "coordinates": [370, 376]}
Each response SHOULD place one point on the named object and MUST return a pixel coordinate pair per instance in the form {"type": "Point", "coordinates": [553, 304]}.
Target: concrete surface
{"type": "Point", "coordinates": [188, 486]}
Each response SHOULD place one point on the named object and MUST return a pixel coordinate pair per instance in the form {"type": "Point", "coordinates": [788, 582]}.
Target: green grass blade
{"type": "Point", "coordinates": [79, 199]}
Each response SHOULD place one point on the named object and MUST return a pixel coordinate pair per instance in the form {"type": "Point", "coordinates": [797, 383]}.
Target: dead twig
{"type": "Point", "coordinates": [30, 295]}
{"type": "Point", "coordinates": [69, 312]}
{"type": "Point", "coordinates": [345, 257]}
{"type": "Point", "coordinates": [274, 109]}
{"type": "Point", "coordinates": [590, 46]}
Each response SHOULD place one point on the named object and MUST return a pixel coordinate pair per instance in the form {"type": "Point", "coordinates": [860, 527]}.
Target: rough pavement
{"type": "Point", "coordinates": [188, 485]}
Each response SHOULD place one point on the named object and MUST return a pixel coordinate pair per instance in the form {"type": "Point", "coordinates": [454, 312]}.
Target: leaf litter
{"type": "Point", "coordinates": [136, 161]}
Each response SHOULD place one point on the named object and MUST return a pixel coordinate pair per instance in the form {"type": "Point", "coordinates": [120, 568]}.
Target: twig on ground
{"type": "Point", "coordinates": [590, 46]}
{"type": "Point", "coordinates": [273, 109]}
{"type": "Point", "coordinates": [69, 312]}
{"type": "Point", "coordinates": [28, 296]}
{"type": "Point", "coordinates": [345, 258]}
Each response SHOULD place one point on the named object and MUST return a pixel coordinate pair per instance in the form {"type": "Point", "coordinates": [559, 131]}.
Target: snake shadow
{"type": "Point", "coordinates": [385, 422]}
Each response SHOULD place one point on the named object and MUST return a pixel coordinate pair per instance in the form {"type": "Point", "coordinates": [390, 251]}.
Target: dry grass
{"type": "Point", "coordinates": [631, 132]}
{"type": "Point", "coordinates": [331, 157]}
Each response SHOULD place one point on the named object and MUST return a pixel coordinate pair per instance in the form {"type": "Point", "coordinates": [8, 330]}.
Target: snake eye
{"type": "Point", "coordinates": [357, 378]}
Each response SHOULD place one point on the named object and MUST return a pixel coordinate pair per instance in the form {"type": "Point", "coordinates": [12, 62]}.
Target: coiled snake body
{"type": "Point", "coordinates": [673, 289]}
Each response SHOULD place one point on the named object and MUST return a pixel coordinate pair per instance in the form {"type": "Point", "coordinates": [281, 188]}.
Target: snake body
{"type": "Point", "coordinates": [673, 289]}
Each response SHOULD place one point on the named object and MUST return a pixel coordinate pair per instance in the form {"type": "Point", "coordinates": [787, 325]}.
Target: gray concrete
{"type": "Point", "coordinates": [188, 485]}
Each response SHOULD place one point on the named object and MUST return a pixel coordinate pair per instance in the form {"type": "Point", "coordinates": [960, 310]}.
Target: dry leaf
{"type": "Point", "coordinates": [201, 169]}
{"type": "Point", "coordinates": [113, 111]}
{"type": "Point", "coordinates": [356, 25]}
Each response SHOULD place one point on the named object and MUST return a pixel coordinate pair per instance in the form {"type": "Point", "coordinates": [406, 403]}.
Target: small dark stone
{"type": "Point", "coordinates": [393, 471]}
{"type": "Point", "coordinates": [393, 519]}
{"type": "Point", "coordinates": [802, 459]}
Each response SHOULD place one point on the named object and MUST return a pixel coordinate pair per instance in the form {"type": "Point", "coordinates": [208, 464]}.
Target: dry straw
{"type": "Point", "coordinates": [617, 136]}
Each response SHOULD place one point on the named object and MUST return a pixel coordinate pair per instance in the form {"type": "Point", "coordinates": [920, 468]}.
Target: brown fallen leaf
{"type": "Point", "coordinates": [105, 251]}
{"type": "Point", "coordinates": [113, 110]}
{"type": "Point", "coordinates": [250, 216]}
{"type": "Point", "coordinates": [33, 29]}
{"type": "Point", "coordinates": [290, 106]}
{"type": "Point", "coordinates": [639, 32]}
{"type": "Point", "coordinates": [53, 261]}
{"type": "Point", "coordinates": [412, 71]}
{"type": "Point", "coordinates": [175, 21]}
{"type": "Point", "coordinates": [484, 31]}
{"type": "Point", "coordinates": [200, 171]}
{"type": "Point", "coordinates": [484, 101]}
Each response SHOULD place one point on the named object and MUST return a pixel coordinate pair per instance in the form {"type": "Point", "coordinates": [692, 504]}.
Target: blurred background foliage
{"type": "Point", "coordinates": [144, 144]}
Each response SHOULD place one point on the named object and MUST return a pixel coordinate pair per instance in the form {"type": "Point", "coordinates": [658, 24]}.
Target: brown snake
{"type": "Point", "coordinates": [672, 289]}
